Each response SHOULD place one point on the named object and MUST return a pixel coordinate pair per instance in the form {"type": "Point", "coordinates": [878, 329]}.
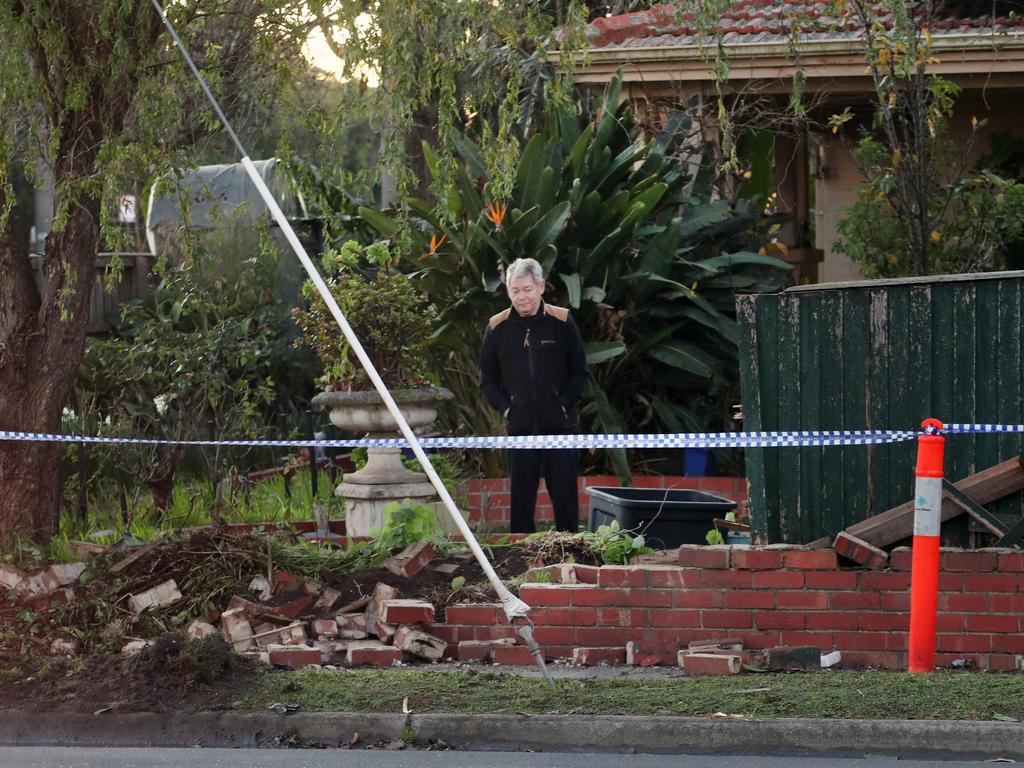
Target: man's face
{"type": "Point", "coordinates": [525, 295]}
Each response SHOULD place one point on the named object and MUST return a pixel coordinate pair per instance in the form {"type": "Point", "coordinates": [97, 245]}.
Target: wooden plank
{"type": "Point", "coordinates": [903, 394]}
{"type": "Point", "coordinates": [810, 415]}
{"type": "Point", "coordinates": [986, 370]}
{"type": "Point", "coordinates": [1009, 361]}
{"type": "Point", "coordinates": [984, 487]}
{"type": "Point", "coordinates": [1013, 536]}
{"type": "Point", "coordinates": [877, 393]}
{"type": "Point", "coordinates": [948, 355]}
{"type": "Point", "coordinates": [750, 394]}
{"type": "Point", "coordinates": [963, 393]}
{"type": "Point", "coordinates": [789, 364]}
{"type": "Point", "coordinates": [975, 510]}
{"type": "Point", "coordinates": [926, 281]}
{"type": "Point", "coordinates": [856, 355]}
{"type": "Point", "coordinates": [831, 335]}
{"type": "Point", "coordinates": [768, 383]}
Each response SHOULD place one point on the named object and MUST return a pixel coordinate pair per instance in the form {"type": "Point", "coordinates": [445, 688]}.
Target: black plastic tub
{"type": "Point", "coordinates": [667, 518]}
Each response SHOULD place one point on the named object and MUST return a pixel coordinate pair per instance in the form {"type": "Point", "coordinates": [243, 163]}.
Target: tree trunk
{"type": "Point", "coordinates": [42, 337]}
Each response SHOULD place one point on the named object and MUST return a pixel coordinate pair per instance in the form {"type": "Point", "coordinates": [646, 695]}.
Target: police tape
{"type": "Point", "coordinates": [791, 439]}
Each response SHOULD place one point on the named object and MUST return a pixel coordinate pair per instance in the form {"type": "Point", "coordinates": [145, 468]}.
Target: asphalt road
{"type": "Point", "coordinates": [79, 757]}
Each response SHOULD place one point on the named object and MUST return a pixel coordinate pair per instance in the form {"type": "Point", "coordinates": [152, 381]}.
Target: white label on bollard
{"type": "Point", "coordinates": [928, 506]}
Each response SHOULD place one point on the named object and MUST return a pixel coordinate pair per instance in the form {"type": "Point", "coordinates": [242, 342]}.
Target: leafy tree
{"type": "Point", "coordinates": [921, 209]}
{"type": "Point", "coordinates": [94, 87]}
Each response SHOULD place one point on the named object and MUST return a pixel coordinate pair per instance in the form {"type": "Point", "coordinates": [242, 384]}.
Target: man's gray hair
{"type": "Point", "coordinates": [522, 268]}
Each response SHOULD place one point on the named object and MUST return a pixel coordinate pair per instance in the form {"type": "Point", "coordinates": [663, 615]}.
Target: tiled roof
{"type": "Point", "coordinates": [770, 21]}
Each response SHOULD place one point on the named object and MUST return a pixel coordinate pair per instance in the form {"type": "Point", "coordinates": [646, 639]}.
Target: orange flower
{"type": "Point", "coordinates": [434, 245]}
{"type": "Point", "coordinates": [496, 214]}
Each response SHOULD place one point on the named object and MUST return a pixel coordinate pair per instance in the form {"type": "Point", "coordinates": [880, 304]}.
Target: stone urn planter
{"type": "Point", "coordinates": [384, 478]}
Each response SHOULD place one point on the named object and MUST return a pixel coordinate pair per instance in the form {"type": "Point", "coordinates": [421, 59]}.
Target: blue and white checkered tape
{"type": "Point", "coordinates": [804, 438]}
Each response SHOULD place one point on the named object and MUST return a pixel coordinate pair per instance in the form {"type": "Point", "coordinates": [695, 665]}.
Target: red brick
{"type": "Point", "coordinates": [990, 582]}
{"type": "Point", "coordinates": [966, 603]}
{"type": "Point", "coordinates": [407, 612]}
{"type": "Point", "coordinates": [820, 640]}
{"type": "Point", "coordinates": [861, 641]}
{"type": "Point", "coordinates": [545, 594]}
{"type": "Point", "coordinates": [621, 576]}
{"type": "Point", "coordinates": [1010, 562]}
{"type": "Point", "coordinates": [950, 622]}
{"type": "Point", "coordinates": [475, 650]}
{"type": "Point", "coordinates": [897, 641]}
{"type": "Point", "coordinates": [589, 657]}
{"type": "Point", "coordinates": [885, 621]}
{"type": "Point", "coordinates": [900, 559]}
{"type": "Point", "coordinates": [325, 628]}
{"type": "Point", "coordinates": [726, 579]}
{"type": "Point", "coordinates": [602, 637]}
{"type": "Point", "coordinates": [875, 659]}
{"type": "Point", "coordinates": [650, 598]}
{"type": "Point", "coordinates": [516, 655]}
{"type": "Point", "coordinates": [1008, 643]}
{"type": "Point", "coordinates": [672, 577]}
{"type": "Point", "coordinates": [411, 560]}
{"type": "Point", "coordinates": [951, 582]}
{"type": "Point", "coordinates": [295, 608]}
{"type": "Point", "coordinates": [709, 664]}
{"type": "Point", "coordinates": [854, 600]}
{"type": "Point", "coordinates": [295, 657]}
{"type": "Point", "coordinates": [860, 551]}
{"type": "Point", "coordinates": [963, 643]}
{"type": "Point", "coordinates": [832, 620]}
{"type": "Point", "coordinates": [805, 600]}
{"type": "Point", "coordinates": [991, 623]}
{"type": "Point", "coordinates": [831, 580]}
{"type": "Point", "coordinates": [751, 599]}
{"type": "Point", "coordinates": [727, 619]}
{"type": "Point", "coordinates": [367, 653]}
{"type": "Point", "coordinates": [697, 599]}
{"type": "Point", "coordinates": [958, 560]}
{"type": "Point", "coordinates": [889, 580]}
{"type": "Point", "coordinates": [623, 617]}
{"type": "Point", "coordinates": [757, 559]}
{"type": "Point", "coordinates": [555, 635]}
{"type": "Point", "coordinates": [579, 617]}
{"type": "Point", "coordinates": [811, 559]}
{"type": "Point", "coordinates": [474, 613]}
{"type": "Point", "coordinates": [701, 556]}
{"type": "Point", "coordinates": [1007, 603]}
{"type": "Point", "coordinates": [895, 601]}
{"type": "Point", "coordinates": [448, 634]}
{"type": "Point", "coordinates": [778, 580]}
{"type": "Point", "coordinates": [586, 574]}
{"type": "Point", "coordinates": [1002, 662]}
{"type": "Point", "coordinates": [674, 618]}
{"type": "Point", "coordinates": [779, 620]}
{"type": "Point", "coordinates": [497, 632]}
{"type": "Point", "coordinates": [596, 596]}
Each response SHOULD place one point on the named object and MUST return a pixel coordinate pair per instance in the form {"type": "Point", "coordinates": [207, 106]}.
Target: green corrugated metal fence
{"type": "Point", "coordinates": [881, 354]}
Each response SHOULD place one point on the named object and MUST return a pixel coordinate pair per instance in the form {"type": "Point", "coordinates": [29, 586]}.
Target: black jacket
{"type": "Point", "coordinates": [536, 368]}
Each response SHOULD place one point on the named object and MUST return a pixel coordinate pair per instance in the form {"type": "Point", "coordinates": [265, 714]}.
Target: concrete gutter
{"type": "Point", "coordinates": [553, 733]}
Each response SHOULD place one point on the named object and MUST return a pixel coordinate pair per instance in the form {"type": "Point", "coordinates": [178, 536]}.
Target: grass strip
{"type": "Point", "coordinates": [856, 695]}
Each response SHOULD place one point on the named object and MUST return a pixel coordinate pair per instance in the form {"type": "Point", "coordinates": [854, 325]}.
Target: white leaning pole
{"type": "Point", "coordinates": [513, 607]}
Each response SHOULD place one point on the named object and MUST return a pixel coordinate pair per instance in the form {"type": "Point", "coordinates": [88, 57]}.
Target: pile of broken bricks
{"type": "Point", "coordinates": [379, 629]}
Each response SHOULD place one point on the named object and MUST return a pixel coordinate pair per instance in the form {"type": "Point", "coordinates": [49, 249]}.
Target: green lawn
{"type": "Point", "coordinates": [861, 695]}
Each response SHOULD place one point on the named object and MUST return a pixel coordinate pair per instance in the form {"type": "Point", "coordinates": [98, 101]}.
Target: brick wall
{"type": "Point", "coordinates": [767, 596]}
{"type": "Point", "coordinates": [488, 499]}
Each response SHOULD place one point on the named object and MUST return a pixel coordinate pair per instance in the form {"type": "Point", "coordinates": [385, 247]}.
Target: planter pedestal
{"type": "Point", "coordinates": [384, 478]}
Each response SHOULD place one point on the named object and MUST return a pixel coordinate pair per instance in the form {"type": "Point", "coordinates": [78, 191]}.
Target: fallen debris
{"type": "Point", "coordinates": [162, 594]}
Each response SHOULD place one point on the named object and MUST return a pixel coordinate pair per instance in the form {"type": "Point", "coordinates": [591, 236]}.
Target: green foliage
{"type": "Point", "coordinates": [714, 536]}
{"type": "Point", "coordinates": [606, 217]}
{"type": "Point", "coordinates": [387, 312]}
{"type": "Point", "coordinates": [406, 522]}
{"type": "Point", "coordinates": [616, 546]}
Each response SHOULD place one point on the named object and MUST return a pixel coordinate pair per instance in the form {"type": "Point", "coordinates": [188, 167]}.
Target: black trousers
{"type": "Point", "coordinates": [559, 468]}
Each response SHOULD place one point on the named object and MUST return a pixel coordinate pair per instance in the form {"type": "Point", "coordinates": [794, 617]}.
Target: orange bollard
{"type": "Point", "coordinates": [924, 576]}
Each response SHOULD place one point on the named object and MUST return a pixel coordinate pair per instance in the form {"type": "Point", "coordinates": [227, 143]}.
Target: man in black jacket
{"type": "Point", "coordinates": [533, 369]}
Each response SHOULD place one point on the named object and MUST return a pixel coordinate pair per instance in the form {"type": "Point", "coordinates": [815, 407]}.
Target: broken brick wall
{"type": "Point", "coordinates": [488, 499]}
{"type": "Point", "coordinates": [768, 596]}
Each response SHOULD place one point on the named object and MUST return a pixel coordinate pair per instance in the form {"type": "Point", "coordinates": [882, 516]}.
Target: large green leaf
{"type": "Point", "coordinates": [683, 356]}
{"type": "Point", "coordinates": [746, 257]}
{"type": "Point", "coordinates": [379, 221]}
{"type": "Point", "coordinates": [611, 423]}
{"type": "Point", "coordinates": [528, 178]}
{"type": "Point", "coordinates": [601, 351]}
{"type": "Point", "coordinates": [572, 285]}
{"type": "Point", "coordinates": [547, 230]}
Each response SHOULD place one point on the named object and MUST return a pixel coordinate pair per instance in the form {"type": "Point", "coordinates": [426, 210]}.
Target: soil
{"type": "Point", "coordinates": [209, 569]}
